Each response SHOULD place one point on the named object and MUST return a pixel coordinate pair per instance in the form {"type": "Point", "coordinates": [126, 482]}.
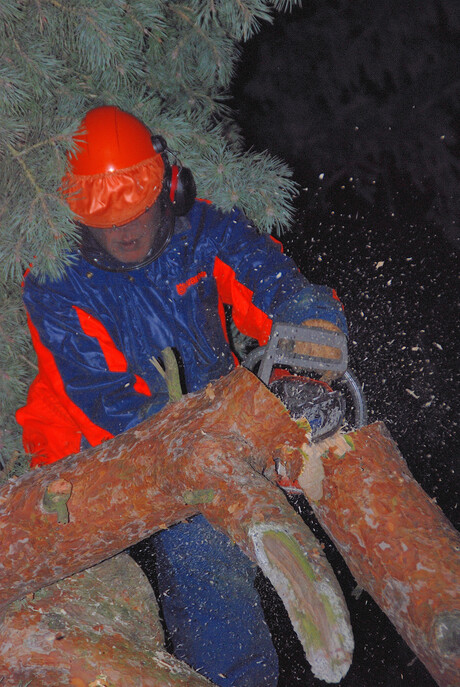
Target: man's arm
{"type": "Point", "coordinates": [85, 368]}
{"type": "Point", "coordinates": [264, 285]}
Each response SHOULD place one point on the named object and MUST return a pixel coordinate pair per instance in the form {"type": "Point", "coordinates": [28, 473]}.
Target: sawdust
{"type": "Point", "coordinates": [312, 474]}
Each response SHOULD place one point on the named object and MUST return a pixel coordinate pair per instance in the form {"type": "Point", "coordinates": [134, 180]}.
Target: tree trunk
{"type": "Point", "coordinates": [397, 543]}
{"type": "Point", "coordinates": [212, 452]}
{"type": "Point", "coordinates": [99, 628]}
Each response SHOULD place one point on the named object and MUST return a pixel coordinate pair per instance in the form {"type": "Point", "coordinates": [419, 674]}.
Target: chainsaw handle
{"type": "Point", "coordinates": [280, 350]}
{"type": "Point", "coordinates": [353, 385]}
{"type": "Point", "coordinates": [275, 353]}
{"type": "Point", "coordinates": [253, 357]}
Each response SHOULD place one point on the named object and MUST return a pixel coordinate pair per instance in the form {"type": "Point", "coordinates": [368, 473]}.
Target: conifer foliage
{"type": "Point", "coordinates": [170, 63]}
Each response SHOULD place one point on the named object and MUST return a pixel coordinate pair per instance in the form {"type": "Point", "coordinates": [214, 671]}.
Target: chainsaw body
{"type": "Point", "coordinates": [284, 370]}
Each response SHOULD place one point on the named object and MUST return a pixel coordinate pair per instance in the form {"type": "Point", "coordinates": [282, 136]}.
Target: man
{"type": "Point", "coordinates": [154, 269]}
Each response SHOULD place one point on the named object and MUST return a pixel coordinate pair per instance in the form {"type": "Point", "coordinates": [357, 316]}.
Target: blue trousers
{"type": "Point", "coordinates": [211, 608]}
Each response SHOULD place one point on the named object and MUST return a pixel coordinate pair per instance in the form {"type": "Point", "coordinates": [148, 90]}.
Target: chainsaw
{"type": "Point", "coordinates": [282, 369]}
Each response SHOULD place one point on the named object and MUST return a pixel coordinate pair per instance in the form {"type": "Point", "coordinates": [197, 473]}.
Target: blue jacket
{"type": "Point", "coordinates": [95, 331]}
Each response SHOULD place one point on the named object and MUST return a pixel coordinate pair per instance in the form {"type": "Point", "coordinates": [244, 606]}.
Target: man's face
{"type": "Point", "coordinates": [130, 242]}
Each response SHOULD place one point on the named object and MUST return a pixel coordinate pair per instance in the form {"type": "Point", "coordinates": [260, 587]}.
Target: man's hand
{"type": "Point", "coordinates": [319, 350]}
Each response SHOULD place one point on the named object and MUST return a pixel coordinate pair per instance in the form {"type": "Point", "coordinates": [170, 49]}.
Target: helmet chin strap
{"type": "Point", "coordinates": [92, 251]}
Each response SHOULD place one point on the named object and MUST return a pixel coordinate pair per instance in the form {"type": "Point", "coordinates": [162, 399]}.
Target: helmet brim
{"type": "Point", "coordinates": [114, 198]}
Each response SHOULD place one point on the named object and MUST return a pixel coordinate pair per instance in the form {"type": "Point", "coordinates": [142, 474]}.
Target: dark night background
{"type": "Point", "coordinates": [375, 239]}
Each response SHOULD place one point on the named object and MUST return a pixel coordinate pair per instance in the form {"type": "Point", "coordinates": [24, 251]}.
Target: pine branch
{"type": "Point", "coordinates": [169, 63]}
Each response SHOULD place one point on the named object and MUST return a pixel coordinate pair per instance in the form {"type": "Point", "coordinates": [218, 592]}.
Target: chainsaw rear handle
{"type": "Point", "coordinates": [280, 350]}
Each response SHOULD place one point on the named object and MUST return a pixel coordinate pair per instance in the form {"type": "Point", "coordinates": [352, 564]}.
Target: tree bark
{"type": "Point", "coordinates": [215, 452]}
{"type": "Point", "coordinates": [212, 452]}
{"type": "Point", "coordinates": [98, 628]}
{"type": "Point", "coordinates": [397, 543]}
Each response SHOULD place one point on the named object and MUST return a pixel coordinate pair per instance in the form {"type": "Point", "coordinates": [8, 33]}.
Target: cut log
{"type": "Point", "coordinates": [212, 452]}
{"type": "Point", "coordinates": [397, 543]}
{"type": "Point", "coordinates": [99, 628]}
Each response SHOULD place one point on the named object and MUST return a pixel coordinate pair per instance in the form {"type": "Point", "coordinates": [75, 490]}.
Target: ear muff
{"type": "Point", "coordinates": [178, 181]}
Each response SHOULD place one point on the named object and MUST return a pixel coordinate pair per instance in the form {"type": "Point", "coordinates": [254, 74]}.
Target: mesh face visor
{"type": "Point", "coordinates": [97, 256]}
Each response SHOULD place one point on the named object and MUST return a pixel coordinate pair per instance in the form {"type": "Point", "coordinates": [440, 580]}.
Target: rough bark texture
{"type": "Point", "coordinates": [214, 453]}
{"type": "Point", "coordinates": [99, 628]}
{"type": "Point", "coordinates": [211, 452]}
{"type": "Point", "coordinates": [145, 479]}
{"type": "Point", "coordinates": [397, 543]}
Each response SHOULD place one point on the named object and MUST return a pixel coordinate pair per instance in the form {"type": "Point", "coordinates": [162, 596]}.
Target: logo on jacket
{"type": "Point", "coordinates": [182, 288]}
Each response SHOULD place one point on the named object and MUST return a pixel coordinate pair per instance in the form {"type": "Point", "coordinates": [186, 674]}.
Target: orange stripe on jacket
{"type": "Point", "coordinates": [116, 361]}
{"type": "Point", "coordinates": [249, 319]}
{"type": "Point", "coordinates": [53, 425]}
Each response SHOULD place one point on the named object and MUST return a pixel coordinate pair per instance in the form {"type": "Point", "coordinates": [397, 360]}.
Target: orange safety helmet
{"type": "Point", "coordinates": [116, 174]}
